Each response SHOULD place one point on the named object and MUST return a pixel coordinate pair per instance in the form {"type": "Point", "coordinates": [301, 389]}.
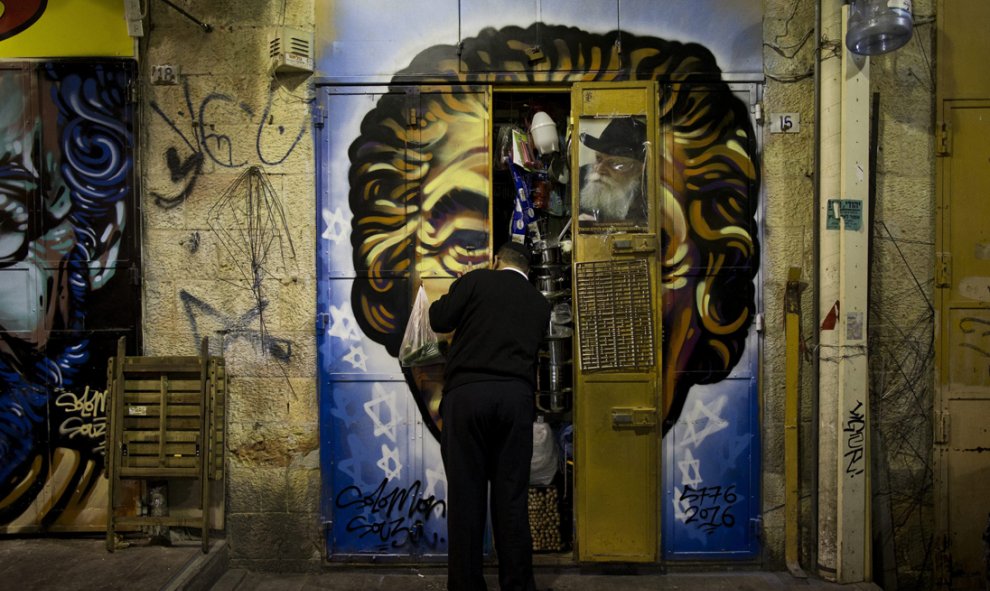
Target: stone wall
{"type": "Point", "coordinates": [209, 222]}
{"type": "Point", "coordinates": [901, 290]}
{"type": "Point", "coordinates": [902, 294]}
{"type": "Point", "coordinates": [788, 241]}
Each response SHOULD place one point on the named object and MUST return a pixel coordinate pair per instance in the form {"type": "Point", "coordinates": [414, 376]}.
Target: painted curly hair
{"type": "Point", "coordinates": [419, 185]}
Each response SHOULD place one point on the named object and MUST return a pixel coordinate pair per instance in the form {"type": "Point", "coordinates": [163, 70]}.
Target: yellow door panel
{"type": "Point", "coordinates": [610, 98]}
{"type": "Point", "coordinates": [967, 211]}
{"type": "Point", "coordinates": [968, 475]}
{"type": "Point", "coordinates": [970, 350]}
{"type": "Point", "coordinates": [616, 468]}
{"type": "Point", "coordinates": [617, 322]}
{"type": "Point", "coordinates": [962, 436]}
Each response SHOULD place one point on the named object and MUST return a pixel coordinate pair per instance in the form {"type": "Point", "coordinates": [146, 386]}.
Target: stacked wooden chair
{"type": "Point", "coordinates": [165, 421]}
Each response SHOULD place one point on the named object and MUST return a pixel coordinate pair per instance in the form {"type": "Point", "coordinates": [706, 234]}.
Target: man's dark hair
{"type": "Point", "coordinates": [515, 254]}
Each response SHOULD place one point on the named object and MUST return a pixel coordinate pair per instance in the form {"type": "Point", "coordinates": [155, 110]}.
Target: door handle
{"type": "Point", "coordinates": [633, 244]}
{"type": "Point", "coordinates": [633, 417]}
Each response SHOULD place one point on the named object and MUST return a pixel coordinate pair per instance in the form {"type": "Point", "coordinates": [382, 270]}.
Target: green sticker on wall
{"type": "Point", "coordinates": [850, 210]}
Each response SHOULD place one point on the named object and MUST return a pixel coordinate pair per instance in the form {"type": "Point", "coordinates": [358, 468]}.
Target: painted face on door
{"type": "Point", "coordinates": [64, 179]}
{"type": "Point", "coordinates": [419, 194]}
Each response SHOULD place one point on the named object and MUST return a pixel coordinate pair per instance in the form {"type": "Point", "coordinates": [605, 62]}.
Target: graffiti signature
{"type": "Point", "coordinates": [89, 410]}
{"type": "Point", "coordinates": [855, 440]}
{"type": "Point", "coordinates": [202, 138]}
{"type": "Point", "coordinates": [709, 507]}
{"type": "Point", "coordinates": [397, 516]}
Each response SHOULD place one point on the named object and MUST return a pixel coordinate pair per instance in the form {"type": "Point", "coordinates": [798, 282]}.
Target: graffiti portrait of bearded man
{"type": "Point", "coordinates": [66, 187]}
{"type": "Point", "coordinates": [419, 191]}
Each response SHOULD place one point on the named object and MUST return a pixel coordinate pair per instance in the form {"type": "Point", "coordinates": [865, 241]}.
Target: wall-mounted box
{"type": "Point", "coordinates": [291, 50]}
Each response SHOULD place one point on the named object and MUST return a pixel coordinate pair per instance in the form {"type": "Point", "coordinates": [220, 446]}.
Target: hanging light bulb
{"type": "Point", "coordinates": [878, 26]}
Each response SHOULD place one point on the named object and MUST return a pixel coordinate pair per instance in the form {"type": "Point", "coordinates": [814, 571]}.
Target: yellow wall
{"type": "Point", "coordinates": [69, 28]}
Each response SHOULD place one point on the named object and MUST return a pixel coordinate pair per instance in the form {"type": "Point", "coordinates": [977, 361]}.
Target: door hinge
{"type": "Point", "coordinates": [943, 269]}
{"type": "Point", "coordinates": [758, 112]}
{"type": "Point", "coordinates": [319, 117]}
{"type": "Point", "coordinates": [132, 91]}
{"type": "Point", "coordinates": [942, 147]}
{"type": "Point", "coordinates": [412, 107]}
{"type": "Point", "coordinates": [322, 320]}
{"type": "Point", "coordinates": [941, 426]}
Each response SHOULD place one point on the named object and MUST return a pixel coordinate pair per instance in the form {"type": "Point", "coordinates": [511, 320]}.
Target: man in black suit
{"type": "Point", "coordinates": [499, 320]}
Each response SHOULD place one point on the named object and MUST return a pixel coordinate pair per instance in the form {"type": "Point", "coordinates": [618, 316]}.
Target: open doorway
{"type": "Point", "coordinates": [531, 203]}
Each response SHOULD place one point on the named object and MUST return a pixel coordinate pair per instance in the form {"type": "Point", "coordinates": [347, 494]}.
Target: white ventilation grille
{"type": "Point", "coordinates": [291, 50]}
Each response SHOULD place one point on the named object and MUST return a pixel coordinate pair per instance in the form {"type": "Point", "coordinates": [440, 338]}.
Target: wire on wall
{"type": "Point", "coordinates": [790, 52]}
{"type": "Point", "coordinates": [250, 224]}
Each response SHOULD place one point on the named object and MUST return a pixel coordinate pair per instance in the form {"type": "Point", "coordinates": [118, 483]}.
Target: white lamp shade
{"type": "Point", "coordinates": [544, 132]}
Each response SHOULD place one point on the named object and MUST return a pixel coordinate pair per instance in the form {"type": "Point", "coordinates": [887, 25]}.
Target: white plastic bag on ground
{"type": "Point", "coordinates": [543, 466]}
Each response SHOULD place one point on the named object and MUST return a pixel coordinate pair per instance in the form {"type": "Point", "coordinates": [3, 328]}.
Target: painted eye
{"type": "Point", "coordinates": [619, 166]}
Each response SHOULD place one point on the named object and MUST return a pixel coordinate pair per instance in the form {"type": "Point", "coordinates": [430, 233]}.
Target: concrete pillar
{"type": "Point", "coordinates": [843, 544]}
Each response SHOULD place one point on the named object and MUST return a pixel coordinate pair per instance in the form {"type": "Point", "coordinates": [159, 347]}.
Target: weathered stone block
{"type": "Point", "coordinates": [258, 399]}
{"type": "Point", "coordinates": [305, 483]}
{"type": "Point", "coordinates": [282, 536]}
{"type": "Point", "coordinates": [289, 354]}
{"type": "Point", "coordinates": [242, 495]}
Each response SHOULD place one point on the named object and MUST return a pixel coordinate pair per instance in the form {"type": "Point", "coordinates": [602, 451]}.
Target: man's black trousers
{"type": "Point", "coordinates": [487, 437]}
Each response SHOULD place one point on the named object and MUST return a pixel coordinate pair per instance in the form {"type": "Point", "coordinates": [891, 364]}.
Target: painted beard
{"type": "Point", "coordinates": [608, 198]}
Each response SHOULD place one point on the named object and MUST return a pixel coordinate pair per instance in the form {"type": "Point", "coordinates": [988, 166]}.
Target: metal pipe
{"type": "Point", "coordinates": [815, 302]}
{"type": "Point", "coordinates": [792, 476]}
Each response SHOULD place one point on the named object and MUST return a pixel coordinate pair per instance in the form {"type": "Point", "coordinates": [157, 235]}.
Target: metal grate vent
{"type": "Point", "coordinates": [615, 316]}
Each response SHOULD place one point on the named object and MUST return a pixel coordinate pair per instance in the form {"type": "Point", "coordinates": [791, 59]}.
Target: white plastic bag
{"type": "Point", "coordinates": [543, 466]}
{"type": "Point", "coordinates": [420, 345]}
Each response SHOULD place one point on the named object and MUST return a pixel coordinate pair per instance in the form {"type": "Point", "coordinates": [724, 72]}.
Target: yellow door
{"type": "Point", "coordinates": [962, 406]}
{"type": "Point", "coordinates": [617, 329]}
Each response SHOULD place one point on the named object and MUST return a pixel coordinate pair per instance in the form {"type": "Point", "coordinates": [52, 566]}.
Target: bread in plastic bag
{"type": "Point", "coordinates": [420, 345]}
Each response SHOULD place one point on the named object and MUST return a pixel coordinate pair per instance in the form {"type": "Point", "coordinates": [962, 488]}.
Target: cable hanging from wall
{"type": "Point", "coordinates": [207, 28]}
{"type": "Point", "coordinates": [249, 222]}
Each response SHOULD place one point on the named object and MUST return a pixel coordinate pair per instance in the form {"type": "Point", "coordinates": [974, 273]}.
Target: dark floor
{"type": "Point", "coordinates": [83, 563]}
{"type": "Point", "coordinates": [414, 581]}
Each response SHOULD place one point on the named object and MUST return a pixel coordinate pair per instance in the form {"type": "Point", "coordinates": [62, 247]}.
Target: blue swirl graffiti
{"type": "Point", "coordinates": [84, 179]}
